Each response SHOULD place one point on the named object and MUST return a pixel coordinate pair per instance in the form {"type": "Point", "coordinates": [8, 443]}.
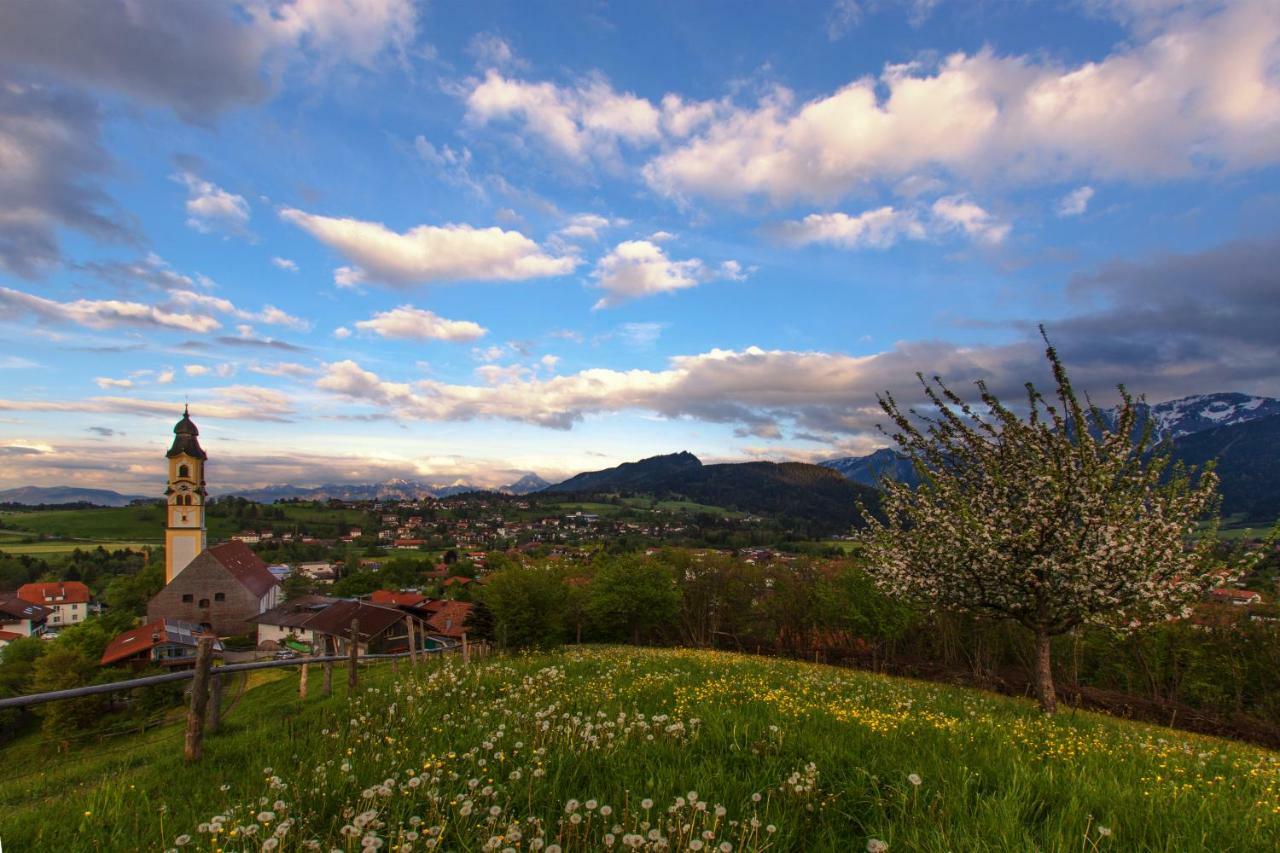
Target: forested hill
{"type": "Point", "coordinates": [792, 489]}
{"type": "Point", "coordinates": [1248, 465]}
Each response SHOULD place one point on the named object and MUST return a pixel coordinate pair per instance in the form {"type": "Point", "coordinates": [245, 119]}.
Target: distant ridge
{"type": "Point", "coordinates": [795, 490]}
{"type": "Point", "coordinates": [528, 484]}
{"type": "Point", "coordinates": [53, 495]}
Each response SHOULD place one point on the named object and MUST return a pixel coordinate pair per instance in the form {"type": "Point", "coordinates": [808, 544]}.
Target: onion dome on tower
{"type": "Point", "coordinates": [185, 438]}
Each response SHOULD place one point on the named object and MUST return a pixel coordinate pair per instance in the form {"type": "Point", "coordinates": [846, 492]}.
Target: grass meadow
{"type": "Point", "coordinates": [623, 748]}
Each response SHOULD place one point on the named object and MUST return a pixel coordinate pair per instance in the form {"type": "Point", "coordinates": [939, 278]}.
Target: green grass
{"type": "Point", "coordinates": [119, 524]}
{"type": "Point", "coordinates": [830, 752]}
{"type": "Point", "coordinates": [45, 549]}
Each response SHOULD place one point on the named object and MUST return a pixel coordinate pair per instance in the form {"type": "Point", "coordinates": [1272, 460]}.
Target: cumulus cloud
{"type": "Point", "coordinates": [211, 209]}
{"type": "Point", "coordinates": [1075, 202]}
{"type": "Point", "coordinates": [342, 332]}
{"type": "Point", "coordinates": [285, 264]}
{"type": "Point", "coordinates": [326, 31]}
{"type": "Point", "coordinates": [410, 323]}
{"type": "Point", "coordinates": [585, 120]}
{"type": "Point", "coordinates": [637, 268]}
{"type": "Point", "coordinates": [269, 314]}
{"type": "Point", "coordinates": [102, 313]}
{"type": "Point", "coordinates": [959, 213]}
{"type": "Point", "coordinates": [429, 253]}
{"type": "Point", "coordinates": [587, 226]}
{"type": "Point", "coordinates": [50, 157]}
{"type": "Point", "coordinates": [195, 370]}
{"type": "Point", "coordinates": [493, 51]}
{"type": "Point", "coordinates": [1151, 325]}
{"type": "Point", "coordinates": [1199, 95]}
{"type": "Point", "coordinates": [283, 368]}
{"type": "Point", "coordinates": [107, 382]}
{"type": "Point", "coordinates": [876, 229]}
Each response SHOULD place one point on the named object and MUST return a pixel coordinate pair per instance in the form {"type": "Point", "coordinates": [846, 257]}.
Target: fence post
{"type": "Point", "coordinates": [193, 744]}
{"type": "Point", "coordinates": [354, 653]}
{"type": "Point", "coordinates": [327, 688]}
{"type": "Point", "coordinates": [302, 679]}
{"type": "Point", "coordinates": [215, 702]}
{"type": "Point", "coordinates": [413, 643]}
{"type": "Point", "coordinates": [466, 651]}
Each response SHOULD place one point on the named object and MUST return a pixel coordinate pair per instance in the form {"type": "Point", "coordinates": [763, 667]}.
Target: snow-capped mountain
{"type": "Point", "coordinates": [868, 470]}
{"type": "Point", "coordinates": [396, 489]}
{"type": "Point", "coordinates": [1188, 415]}
{"type": "Point", "coordinates": [1174, 419]}
{"type": "Point", "coordinates": [527, 484]}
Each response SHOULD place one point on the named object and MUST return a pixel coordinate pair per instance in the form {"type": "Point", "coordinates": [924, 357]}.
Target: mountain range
{"type": "Point", "coordinates": [796, 490]}
{"type": "Point", "coordinates": [55, 495]}
{"type": "Point", "coordinates": [1240, 431]}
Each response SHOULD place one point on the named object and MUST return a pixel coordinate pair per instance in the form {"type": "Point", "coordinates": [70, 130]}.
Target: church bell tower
{"type": "Point", "coordinates": [184, 535]}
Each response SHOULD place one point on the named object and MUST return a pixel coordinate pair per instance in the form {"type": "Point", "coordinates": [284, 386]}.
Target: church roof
{"type": "Point", "coordinates": [185, 438]}
{"type": "Point", "coordinates": [238, 559]}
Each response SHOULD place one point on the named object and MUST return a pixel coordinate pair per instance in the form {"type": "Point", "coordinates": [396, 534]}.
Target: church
{"type": "Point", "coordinates": [220, 589]}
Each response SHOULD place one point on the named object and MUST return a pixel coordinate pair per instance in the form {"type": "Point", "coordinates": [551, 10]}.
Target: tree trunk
{"type": "Point", "coordinates": [1044, 674]}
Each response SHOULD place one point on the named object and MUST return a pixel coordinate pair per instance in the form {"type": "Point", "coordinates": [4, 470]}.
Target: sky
{"type": "Point", "coordinates": [463, 242]}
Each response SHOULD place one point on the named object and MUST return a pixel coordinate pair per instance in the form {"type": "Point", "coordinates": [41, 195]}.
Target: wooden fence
{"type": "Point", "coordinates": [204, 711]}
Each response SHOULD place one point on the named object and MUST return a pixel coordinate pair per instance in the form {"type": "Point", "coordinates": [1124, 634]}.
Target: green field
{"type": "Point", "coordinates": [45, 549]}
{"type": "Point", "coordinates": [649, 749]}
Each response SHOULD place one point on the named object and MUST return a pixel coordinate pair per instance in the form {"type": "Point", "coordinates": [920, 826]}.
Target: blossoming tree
{"type": "Point", "coordinates": [1055, 518]}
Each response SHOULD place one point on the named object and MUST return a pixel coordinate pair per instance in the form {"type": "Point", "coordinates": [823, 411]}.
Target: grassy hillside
{"type": "Point", "coordinates": [574, 747]}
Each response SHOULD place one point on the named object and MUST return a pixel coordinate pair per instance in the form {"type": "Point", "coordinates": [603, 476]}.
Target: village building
{"type": "Point", "coordinates": [286, 624]}
{"type": "Point", "coordinates": [68, 602]}
{"type": "Point", "coordinates": [222, 590]}
{"type": "Point", "coordinates": [218, 589]}
{"type": "Point", "coordinates": [161, 642]}
{"type": "Point", "coordinates": [20, 618]}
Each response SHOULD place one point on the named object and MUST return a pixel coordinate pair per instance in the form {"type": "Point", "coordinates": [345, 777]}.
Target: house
{"type": "Point", "coordinates": [448, 618]}
{"type": "Point", "coordinates": [382, 628]}
{"type": "Point", "coordinates": [322, 572]}
{"type": "Point", "coordinates": [68, 602]}
{"type": "Point", "coordinates": [287, 623]}
{"type": "Point", "coordinates": [409, 544]}
{"type": "Point", "coordinates": [164, 642]}
{"type": "Point", "coordinates": [393, 598]}
{"type": "Point", "coordinates": [20, 618]}
{"type": "Point", "coordinates": [1238, 597]}
{"type": "Point", "coordinates": [221, 590]}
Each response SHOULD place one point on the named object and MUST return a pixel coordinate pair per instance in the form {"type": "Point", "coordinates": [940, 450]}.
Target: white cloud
{"type": "Point", "coordinates": [587, 226]}
{"type": "Point", "coordinates": [164, 377]}
{"type": "Point", "coordinates": [1199, 95]}
{"type": "Point", "coordinates": [285, 264]}
{"type": "Point", "coordinates": [410, 323]}
{"type": "Point", "coordinates": [233, 402]}
{"type": "Point", "coordinates": [583, 121]}
{"type": "Point", "coordinates": [883, 227]}
{"type": "Point", "coordinates": [341, 333]}
{"type": "Point", "coordinates": [210, 208]}
{"type": "Point", "coordinates": [283, 368]}
{"type": "Point", "coordinates": [195, 370]}
{"type": "Point", "coordinates": [429, 253]}
{"type": "Point", "coordinates": [754, 388]}
{"type": "Point", "coordinates": [107, 382]}
{"type": "Point", "coordinates": [1075, 202]}
{"type": "Point", "coordinates": [269, 313]}
{"type": "Point", "coordinates": [637, 268]}
{"type": "Point", "coordinates": [103, 313]}
{"type": "Point", "coordinates": [492, 51]}
{"type": "Point", "coordinates": [358, 31]}
{"type": "Point", "coordinates": [958, 212]}
{"type": "Point", "coordinates": [876, 229]}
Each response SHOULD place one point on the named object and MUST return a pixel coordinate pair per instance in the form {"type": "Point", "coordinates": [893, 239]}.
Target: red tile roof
{"type": "Point", "coordinates": [14, 608]}
{"type": "Point", "coordinates": [65, 592]}
{"type": "Point", "coordinates": [148, 636]}
{"type": "Point", "coordinates": [449, 618]}
{"type": "Point", "coordinates": [387, 596]}
{"type": "Point", "coordinates": [9, 636]}
{"type": "Point", "coordinates": [245, 566]}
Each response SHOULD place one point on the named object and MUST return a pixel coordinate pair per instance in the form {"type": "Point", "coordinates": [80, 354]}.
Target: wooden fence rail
{"type": "Point", "coordinates": [151, 680]}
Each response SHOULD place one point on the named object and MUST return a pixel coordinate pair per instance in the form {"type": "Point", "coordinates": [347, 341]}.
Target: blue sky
{"type": "Point", "coordinates": [467, 241]}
